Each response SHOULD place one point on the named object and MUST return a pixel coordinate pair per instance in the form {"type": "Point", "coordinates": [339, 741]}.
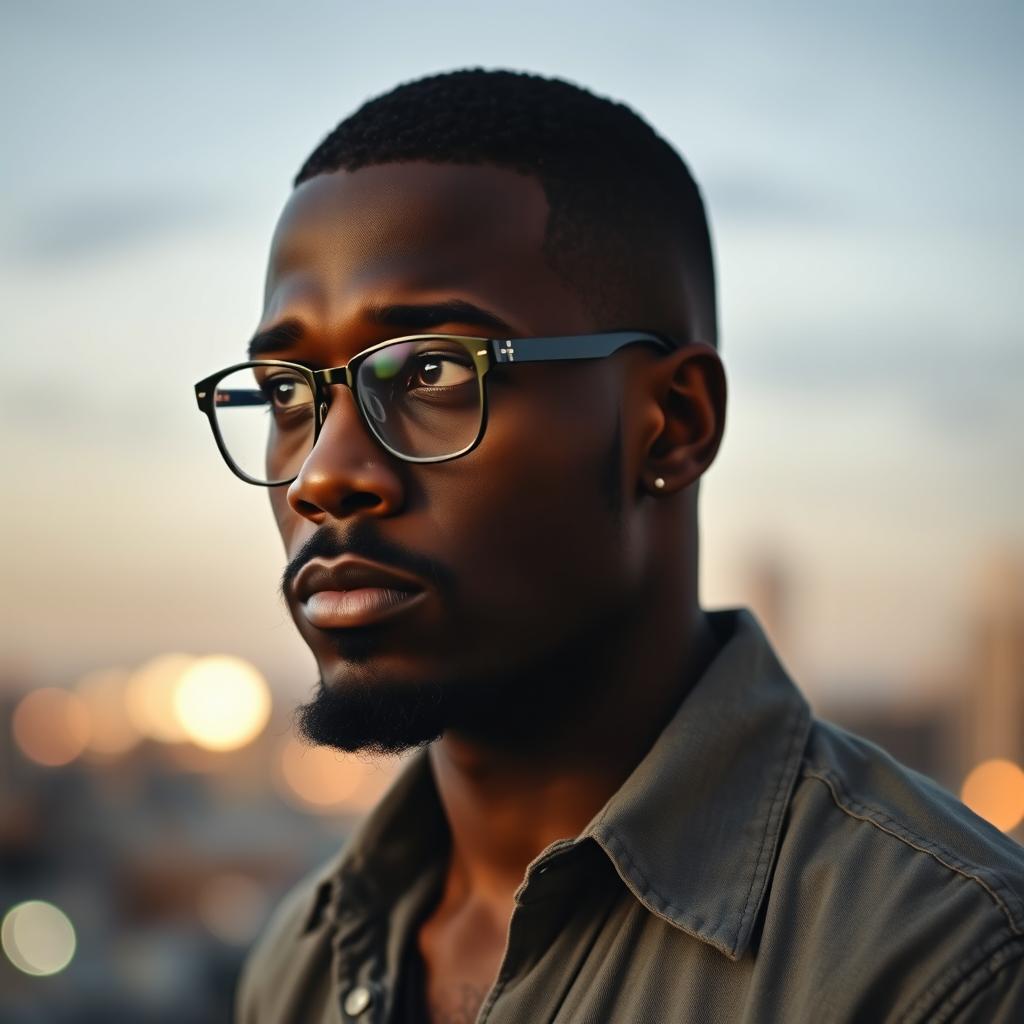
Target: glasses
{"type": "Point", "coordinates": [422, 397]}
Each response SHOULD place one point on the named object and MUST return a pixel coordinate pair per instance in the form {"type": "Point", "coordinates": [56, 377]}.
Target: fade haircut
{"type": "Point", "coordinates": [626, 229]}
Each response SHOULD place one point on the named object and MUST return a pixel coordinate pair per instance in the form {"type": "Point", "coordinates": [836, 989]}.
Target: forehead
{"type": "Point", "coordinates": [386, 233]}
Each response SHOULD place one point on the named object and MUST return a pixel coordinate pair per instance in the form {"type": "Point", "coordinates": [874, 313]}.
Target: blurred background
{"type": "Point", "coordinates": [862, 172]}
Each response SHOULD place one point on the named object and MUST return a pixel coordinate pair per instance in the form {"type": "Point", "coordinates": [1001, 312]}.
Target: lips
{"type": "Point", "coordinates": [350, 591]}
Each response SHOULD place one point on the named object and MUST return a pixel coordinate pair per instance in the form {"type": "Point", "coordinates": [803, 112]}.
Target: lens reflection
{"type": "Point", "coordinates": [423, 398]}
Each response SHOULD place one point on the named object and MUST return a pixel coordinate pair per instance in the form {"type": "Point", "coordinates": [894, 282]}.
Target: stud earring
{"type": "Point", "coordinates": [659, 483]}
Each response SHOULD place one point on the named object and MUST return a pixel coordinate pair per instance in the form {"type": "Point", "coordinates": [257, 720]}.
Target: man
{"type": "Point", "coordinates": [485, 387]}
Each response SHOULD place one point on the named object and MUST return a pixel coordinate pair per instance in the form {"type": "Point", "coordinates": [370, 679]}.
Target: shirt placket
{"type": "Point", "coordinates": [527, 926]}
{"type": "Point", "coordinates": [358, 962]}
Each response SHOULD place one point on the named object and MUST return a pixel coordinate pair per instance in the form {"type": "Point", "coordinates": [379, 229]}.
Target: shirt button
{"type": "Point", "coordinates": [357, 1001]}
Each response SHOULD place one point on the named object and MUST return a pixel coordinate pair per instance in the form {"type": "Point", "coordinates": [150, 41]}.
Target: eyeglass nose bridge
{"type": "Point", "coordinates": [324, 379]}
{"type": "Point", "coordinates": [335, 375]}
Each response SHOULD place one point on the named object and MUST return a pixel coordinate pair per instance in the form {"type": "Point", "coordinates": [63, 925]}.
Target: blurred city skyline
{"type": "Point", "coordinates": [151, 819]}
{"type": "Point", "coordinates": [861, 172]}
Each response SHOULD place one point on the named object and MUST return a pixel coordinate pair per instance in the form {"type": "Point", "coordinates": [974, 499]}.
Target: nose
{"type": "Point", "coordinates": [347, 472]}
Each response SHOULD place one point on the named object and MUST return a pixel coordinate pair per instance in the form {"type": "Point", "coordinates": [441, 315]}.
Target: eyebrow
{"type": "Point", "coordinates": [273, 339]}
{"type": "Point", "coordinates": [415, 316]}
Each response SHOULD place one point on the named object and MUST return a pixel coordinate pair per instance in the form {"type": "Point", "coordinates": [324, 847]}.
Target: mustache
{"type": "Point", "coordinates": [363, 539]}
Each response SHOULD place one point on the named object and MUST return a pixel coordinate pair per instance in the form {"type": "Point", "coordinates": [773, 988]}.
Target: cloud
{"type": "Point", "coordinates": [759, 200]}
{"type": "Point", "coordinates": [71, 230]}
{"type": "Point", "coordinates": [956, 386]}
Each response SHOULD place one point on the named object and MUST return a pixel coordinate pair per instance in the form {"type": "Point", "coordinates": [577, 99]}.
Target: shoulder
{"type": "Point", "coordinates": [918, 895]}
{"type": "Point", "coordinates": [893, 809]}
{"type": "Point", "coordinates": [279, 964]}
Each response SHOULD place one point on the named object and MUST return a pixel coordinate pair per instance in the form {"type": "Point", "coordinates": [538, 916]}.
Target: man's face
{"type": "Point", "coordinates": [521, 547]}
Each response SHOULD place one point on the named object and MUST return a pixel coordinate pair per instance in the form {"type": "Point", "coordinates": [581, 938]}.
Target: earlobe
{"type": "Point", "coordinates": [691, 393]}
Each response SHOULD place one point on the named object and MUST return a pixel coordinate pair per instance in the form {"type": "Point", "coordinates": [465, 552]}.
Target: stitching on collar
{"type": "Point", "coordinates": [789, 767]}
{"type": "Point", "coordinates": [684, 918]}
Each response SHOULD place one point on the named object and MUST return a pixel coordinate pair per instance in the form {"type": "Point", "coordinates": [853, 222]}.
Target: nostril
{"type": "Point", "coordinates": [306, 508]}
{"type": "Point", "coordinates": [349, 505]}
{"type": "Point", "coordinates": [360, 500]}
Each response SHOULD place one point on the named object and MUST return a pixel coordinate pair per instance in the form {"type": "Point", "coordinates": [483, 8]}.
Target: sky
{"type": "Point", "coordinates": [861, 167]}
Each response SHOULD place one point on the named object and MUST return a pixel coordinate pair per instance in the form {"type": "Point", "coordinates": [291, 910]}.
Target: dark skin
{"type": "Point", "coordinates": [547, 571]}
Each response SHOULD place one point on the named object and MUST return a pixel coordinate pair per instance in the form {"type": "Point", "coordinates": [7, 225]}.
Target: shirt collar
{"type": "Point", "coordinates": [692, 831]}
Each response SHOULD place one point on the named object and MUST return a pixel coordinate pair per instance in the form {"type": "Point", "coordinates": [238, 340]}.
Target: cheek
{"type": "Point", "coordinates": [284, 516]}
{"type": "Point", "coordinates": [537, 516]}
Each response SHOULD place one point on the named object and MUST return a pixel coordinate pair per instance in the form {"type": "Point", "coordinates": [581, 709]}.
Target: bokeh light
{"type": "Point", "coordinates": [51, 726]}
{"type": "Point", "coordinates": [37, 937]}
{"type": "Point", "coordinates": [995, 790]}
{"type": "Point", "coordinates": [105, 695]}
{"type": "Point", "coordinates": [222, 702]}
{"type": "Point", "coordinates": [325, 780]}
{"type": "Point", "coordinates": [149, 697]}
{"type": "Point", "coordinates": [232, 907]}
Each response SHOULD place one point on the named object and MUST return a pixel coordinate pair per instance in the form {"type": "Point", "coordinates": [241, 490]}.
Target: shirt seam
{"type": "Point", "coordinates": [966, 982]}
{"type": "Point", "coordinates": [485, 1011]}
{"type": "Point", "coordinates": [998, 889]}
{"type": "Point", "coordinates": [582, 957]}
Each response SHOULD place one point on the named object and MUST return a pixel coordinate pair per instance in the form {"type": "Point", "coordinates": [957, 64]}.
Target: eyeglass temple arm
{"type": "Point", "coordinates": [240, 396]}
{"type": "Point", "coordinates": [208, 395]}
{"type": "Point", "coordinates": [579, 346]}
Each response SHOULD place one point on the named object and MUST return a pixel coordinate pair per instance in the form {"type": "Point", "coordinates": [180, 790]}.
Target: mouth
{"type": "Point", "coordinates": [350, 592]}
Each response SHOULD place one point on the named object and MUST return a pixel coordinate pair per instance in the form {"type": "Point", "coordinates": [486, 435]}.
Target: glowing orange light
{"type": "Point", "coordinates": [222, 703]}
{"type": "Point", "coordinates": [51, 726]}
{"type": "Point", "coordinates": [325, 780]}
{"type": "Point", "coordinates": [104, 693]}
{"type": "Point", "coordinates": [995, 790]}
{"type": "Point", "coordinates": [149, 697]}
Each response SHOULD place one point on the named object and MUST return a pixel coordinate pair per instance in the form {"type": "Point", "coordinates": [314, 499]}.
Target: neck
{"type": "Point", "coordinates": [504, 806]}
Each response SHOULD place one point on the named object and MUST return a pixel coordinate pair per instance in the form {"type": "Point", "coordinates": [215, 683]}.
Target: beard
{"type": "Point", "coordinates": [378, 717]}
{"type": "Point", "coordinates": [522, 708]}
{"type": "Point", "coordinates": [389, 716]}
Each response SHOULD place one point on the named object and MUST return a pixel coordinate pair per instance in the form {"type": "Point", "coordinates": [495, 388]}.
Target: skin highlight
{"type": "Point", "coordinates": [564, 615]}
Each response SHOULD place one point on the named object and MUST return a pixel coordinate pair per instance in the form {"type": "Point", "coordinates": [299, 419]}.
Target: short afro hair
{"type": "Point", "coordinates": [626, 226]}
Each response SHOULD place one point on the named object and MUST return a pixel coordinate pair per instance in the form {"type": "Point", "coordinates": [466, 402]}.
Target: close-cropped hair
{"type": "Point", "coordinates": [626, 222]}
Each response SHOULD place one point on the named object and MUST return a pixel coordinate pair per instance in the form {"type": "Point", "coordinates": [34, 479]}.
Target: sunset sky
{"type": "Point", "coordinates": [861, 164]}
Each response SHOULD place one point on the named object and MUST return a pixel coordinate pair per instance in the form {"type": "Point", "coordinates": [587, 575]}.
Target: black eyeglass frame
{"type": "Point", "coordinates": [485, 353]}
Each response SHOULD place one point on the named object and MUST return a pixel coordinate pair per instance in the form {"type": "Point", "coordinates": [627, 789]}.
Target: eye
{"type": "Point", "coordinates": [286, 391]}
{"type": "Point", "coordinates": [439, 370]}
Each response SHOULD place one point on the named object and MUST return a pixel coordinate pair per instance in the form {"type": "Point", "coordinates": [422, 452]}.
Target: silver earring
{"type": "Point", "coordinates": [659, 483]}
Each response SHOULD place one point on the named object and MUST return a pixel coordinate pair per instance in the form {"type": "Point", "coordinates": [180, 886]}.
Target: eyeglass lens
{"type": "Point", "coordinates": [423, 399]}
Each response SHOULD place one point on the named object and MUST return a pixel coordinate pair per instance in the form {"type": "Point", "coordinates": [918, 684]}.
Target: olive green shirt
{"type": "Point", "coordinates": [758, 865]}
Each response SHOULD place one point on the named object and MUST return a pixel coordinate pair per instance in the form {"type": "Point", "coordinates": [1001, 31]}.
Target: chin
{"type": "Point", "coordinates": [387, 703]}
{"type": "Point", "coordinates": [376, 716]}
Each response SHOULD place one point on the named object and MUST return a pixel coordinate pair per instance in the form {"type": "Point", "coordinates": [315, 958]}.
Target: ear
{"type": "Point", "coordinates": [686, 406]}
